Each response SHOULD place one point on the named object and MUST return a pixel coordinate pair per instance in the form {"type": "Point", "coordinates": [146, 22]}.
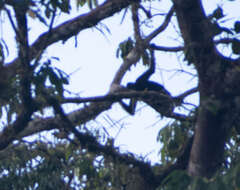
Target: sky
{"type": "Point", "coordinates": [93, 64]}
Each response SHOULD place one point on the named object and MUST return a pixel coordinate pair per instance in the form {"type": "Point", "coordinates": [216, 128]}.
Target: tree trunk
{"type": "Point", "coordinates": [218, 111]}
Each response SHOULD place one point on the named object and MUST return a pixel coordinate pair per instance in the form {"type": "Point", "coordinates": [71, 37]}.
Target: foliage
{"type": "Point", "coordinates": [52, 75]}
{"type": "Point", "coordinates": [173, 137]}
{"type": "Point", "coordinates": [32, 165]}
{"type": "Point", "coordinates": [44, 165]}
{"type": "Point", "coordinates": [125, 48]}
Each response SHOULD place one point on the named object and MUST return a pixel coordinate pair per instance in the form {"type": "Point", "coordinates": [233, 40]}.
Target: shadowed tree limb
{"type": "Point", "coordinates": [87, 113]}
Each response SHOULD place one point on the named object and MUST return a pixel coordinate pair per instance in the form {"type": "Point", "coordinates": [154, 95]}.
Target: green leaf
{"type": "Point", "coordinates": [218, 13]}
{"type": "Point", "coordinates": [65, 6]}
{"type": "Point", "coordinates": [80, 2]}
{"type": "Point", "coordinates": [237, 179]}
{"type": "Point", "coordinates": [124, 48]}
{"type": "Point", "coordinates": [177, 179]}
{"type": "Point", "coordinates": [90, 5]}
{"type": "Point", "coordinates": [54, 79]}
{"type": "Point", "coordinates": [237, 26]}
{"type": "Point", "coordinates": [198, 184]}
{"type": "Point", "coordinates": [65, 80]}
{"type": "Point", "coordinates": [236, 46]}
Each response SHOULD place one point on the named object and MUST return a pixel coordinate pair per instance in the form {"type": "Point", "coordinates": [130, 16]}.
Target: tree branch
{"type": "Point", "coordinates": [72, 27]}
{"type": "Point", "coordinates": [168, 49]}
{"type": "Point", "coordinates": [134, 55]}
{"type": "Point", "coordinates": [101, 103]}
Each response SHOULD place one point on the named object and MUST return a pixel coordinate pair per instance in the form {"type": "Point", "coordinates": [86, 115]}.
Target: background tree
{"type": "Point", "coordinates": [200, 145]}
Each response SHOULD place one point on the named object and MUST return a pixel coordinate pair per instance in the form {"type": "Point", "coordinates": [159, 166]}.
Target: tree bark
{"type": "Point", "coordinates": [217, 112]}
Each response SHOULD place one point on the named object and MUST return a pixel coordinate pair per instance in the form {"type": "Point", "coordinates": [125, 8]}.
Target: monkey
{"type": "Point", "coordinates": [142, 83]}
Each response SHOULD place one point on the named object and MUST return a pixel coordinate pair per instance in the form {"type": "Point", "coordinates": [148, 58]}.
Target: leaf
{"type": "Point", "coordinates": [63, 76]}
{"type": "Point", "coordinates": [125, 47]}
{"type": "Point", "coordinates": [65, 6]}
{"type": "Point", "coordinates": [145, 58]}
{"type": "Point", "coordinates": [177, 179]}
{"type": "Point", "coordinates": [41, 18]}
{"type": "Point", "coordinates": [198, 184]}
{"type": "Point", "coordinates": [90, 5]}
{"type": "Point", "coordinates": [80, 2]}
{"type": "Point", "coordinates": [54, 79]}
{"type": "Point", "coordinates": [95, 2]}
{"type": "Point", "coordinates": [218, 13]}
{"type": "Point", "coordinates": [237, 26]}
{"type": "Point", "coordinates": [236, 46]}
{"type": "Point", "coordinates": [65, 80]}
{"type": "Point", "coordinates": [48, 12]}
{"type": "Point", "coordinates": [237, 179]}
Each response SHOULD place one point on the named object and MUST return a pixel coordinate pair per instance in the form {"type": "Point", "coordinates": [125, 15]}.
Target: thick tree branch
{"type": "Point", "coordinates": [136, 24]}
{"type": "Point", "coordinates": [81, 116]}
{"type": "Point", "coordinates": [72, 27]}
{"type": "Point", "coordinates": [197, 35]}
{"type": "Point", "coordinates": [24, 116]}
